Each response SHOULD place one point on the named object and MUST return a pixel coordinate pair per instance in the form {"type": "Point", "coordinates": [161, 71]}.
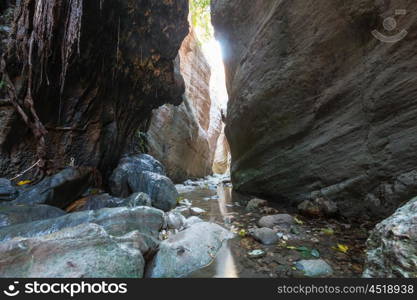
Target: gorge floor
{"type": "Point", "coordinates": [327, 239]}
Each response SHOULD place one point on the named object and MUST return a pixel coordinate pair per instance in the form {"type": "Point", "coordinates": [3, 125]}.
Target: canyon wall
{"type": "Point", "coordinates": [184, 137]}
{"type": "Point", "coordinates": [84, 76]}
{"type": "Point", "coordinates": [319, 107]}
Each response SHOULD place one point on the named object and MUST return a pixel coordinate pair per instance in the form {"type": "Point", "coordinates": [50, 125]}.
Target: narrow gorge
{"type": "Point", "coordinates": [208, 139]}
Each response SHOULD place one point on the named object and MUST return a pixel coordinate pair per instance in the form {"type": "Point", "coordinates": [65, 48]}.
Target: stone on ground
{"type": "Point", "coordinates": [276, 220]}
{"type": "Point", "coordinates": [265, 235]}
{"type": "Point", "coordinates": [314, 268]}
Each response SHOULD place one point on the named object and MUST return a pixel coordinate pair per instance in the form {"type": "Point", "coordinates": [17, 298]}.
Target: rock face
{"type": "Point", "coordinates": [188, 251]}
{"type": "Point", "coordinates": [17, 214]}
{"type": "Point", "coordinates": [98, 69]}
{"type": "Point", "coordinates": [58, 190]}
{"type": "Point", "coordinates": [7, 191]}
{"type": "Point", "coordinates": [222, 159]}
{"type": "Point", "coordinates": [319, 106]}
{"type": "Point", "coordinates": [86, 251]}
{"type": "Point", "coordinates": [116, 221]}
{"type": "Point", "coordinates": [184, 138]}
{"type": "Point", "coordinates": [106, 201]}
{"type": "Point", "coordinates": [392, 245]}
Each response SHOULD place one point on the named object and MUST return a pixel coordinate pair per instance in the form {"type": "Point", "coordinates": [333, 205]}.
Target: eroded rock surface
{"type": "Point", "coordinates": [184, 138]}
{"type": "Point", "coordinates": [116, 221]}
{"type": "Point", "coordinates": [85, 251]}
{"type": "Point", "coordinates": [17, 214]}
{"type": "Point", "coordinates": [188, 251]}
{"type": "Point", "coordinates": [318, 105]}
{"type": "Point", "coordinates": [97, 70]}
{"type": "Point", "coordinates": [392, 245]}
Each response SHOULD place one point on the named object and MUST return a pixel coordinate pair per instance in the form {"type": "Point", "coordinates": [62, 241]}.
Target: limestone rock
{"type": "Point", "coordinates": [256, 204]}
{"type": "Point", "coordinates": [17, 214]}
{"type": "Point", "coordinates": [116, 221]}
{"type": "Point", "coordinates": [314, 268]}
{"type": "Point", "coordinates": [85, 251]}
{"type": "Point", "coordinates": [184, 138]}
{"type": "Point", "coordinates": [319, 106]}
{"type": "Point", "coordinates": [265, 235]}
{"type": "Point", "coordinates": [392, 245]}
{"type": "Point", "coordinates": [7, 191]}
{"type": "Point", "coordinates": [188, 251]}
{"type": "Point", "coordinates": [58, 190]}
{"type": "Point", "coordinates": [276, 220]}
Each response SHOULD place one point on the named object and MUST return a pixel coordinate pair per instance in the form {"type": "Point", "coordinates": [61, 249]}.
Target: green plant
{"type": "Point", "coordinates": [201, 19]}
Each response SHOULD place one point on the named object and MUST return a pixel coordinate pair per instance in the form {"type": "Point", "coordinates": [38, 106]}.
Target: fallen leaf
{"type": "Point", "coordinates": [298, 221]}
{"type": "Point", "coordinates": [24, 182]}
{"type": "Point", "coordinates": [341, 248]}
{"type": "Point", "coordinates": [327, 231]}
{"type": "Point", "coordinates": [242, 233]}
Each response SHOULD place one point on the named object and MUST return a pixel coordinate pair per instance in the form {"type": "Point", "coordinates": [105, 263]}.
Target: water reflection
{"type": "Point", "coordinates": [220, 209]}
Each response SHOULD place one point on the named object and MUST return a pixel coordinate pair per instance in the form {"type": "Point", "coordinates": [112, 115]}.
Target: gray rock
{"type": "Point", "coordinates": [7, 191]}
{"type": "Point", "coordinates": [314, 268]}
{"type": "Point", "coordinates": [258, 253]}
{"type": "Point", "coordinates": [196, 211]}
{"type": "Point", "coordinates": [188, 251]}
{"type": "Point", "coordinates": [106, 201]}
{"type": "Point", "coordinates": [276, 220]}
{"type": "Point", "coordinates": [139, 199]}
{"type": "Point", "coordinates": [116, 221]}
{"type": "Point", "coordinates": [256, 204]}
{"type": "Point", "coordinates": [121, 184]}
{"type": "Point", "coordinates": [265, 235]}
{"type": "Point", "coordinates": [303, 123]}
{"type": "Point", "coordinates": [175, 220]}
{"type": "Point", "coordinates": [318, 207]}
{"type": "Point", "coordinates": [392, 245]}
{"type": "Point", "coordinates": [192, 220]}
{"type": "Point", "coordinates": [85, 251]}
{"type": "Point", "coordinates": [160, 188]}
{"type": "Point", "coordinates": [17, 214]}
{"type": "Point", "coordinates": [59, 190]}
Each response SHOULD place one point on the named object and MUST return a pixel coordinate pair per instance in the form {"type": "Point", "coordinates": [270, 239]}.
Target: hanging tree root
{"type": "Point", "coordinates": [31, 120]}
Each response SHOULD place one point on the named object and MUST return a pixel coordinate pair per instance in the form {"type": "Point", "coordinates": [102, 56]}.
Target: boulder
{"type": "Point", "coordinates": [59, 190]}
{"type": "Point", "coordinates": [85, 251]}
{"type": "Point", "coordinates": [392, 245]}
{"type": "Point", "coordinates": [283, 220]}
{"type": "Point", "coordinates": [256, 204]}
{"type": "Point", "coordinates": [265, 235]}
{"type": "Point", "coordinates": [121, 184]}
{"type": "Point", "coordinates": [318, 207]}
{"type": "Point", "coordinates": [192, 220]}
{"type": "Point", "coordinates": [7, 191]}
{"type": "Point", "coordinates": [314, 268]}
{"type": "Point", "coordinates": [175, 220]}
{"type": "Point", "coordinates": [160, 188]}
{"type": "Point", "coordinates": [106, 201]}
{"type": "Point", "coordinates": [196, 211]}
{"type": "Point", "coordinates": [116, 221]}
{"type": "Point", "coordinates": [188, 251]}
{"type": "Point", "coordinates": [319, 106]}
{"type": "Point", "coordinates": [17, 214]}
